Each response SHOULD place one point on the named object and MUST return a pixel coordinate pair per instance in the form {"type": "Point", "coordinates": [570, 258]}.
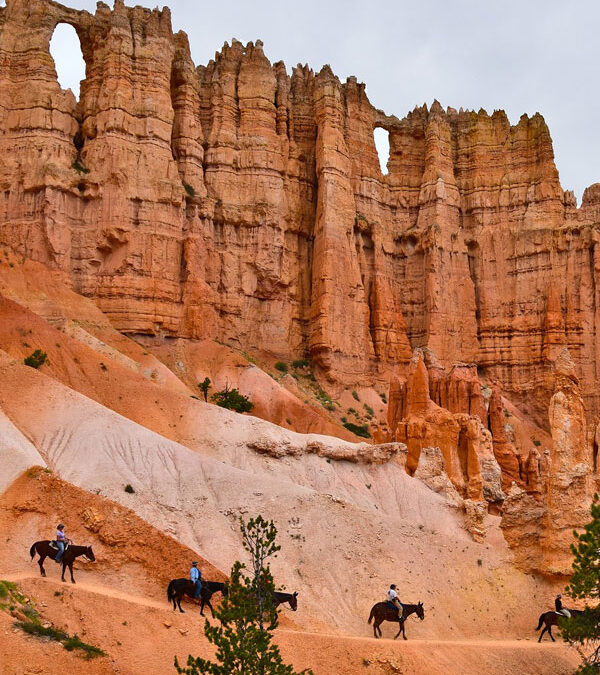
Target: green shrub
{"type": "Point", "coordinates": [129, 489]}
{"type": "Point", "coordinates": [204, 387]}
{"type": "Point", "coordinates": [369, 410]}
{"type": "Point", "coordinates": [383, 397]}
{"type": "Point", "coordinates": [90, 652]}
{"type": "Point", "coordinates": [78, 166]}
{"type": "Point", "coordinates": [344, 419]}
{"type": "Point", "coordinates": [362, 431]}
{"type": "Point", "coordinates": [355, 395]}
{"type": "Point", "coordinates": [189, 189]}
{"type": "Point", "coordinates": [37, 359]}
{"type": "Point", "coordinates": [232, 400]}
{"type": "Point", "coordinates": [537, 443]}
{"type": "Point", "coordinates": [281, 367]}
{"type": "Point", "coordinates": [301, 363]}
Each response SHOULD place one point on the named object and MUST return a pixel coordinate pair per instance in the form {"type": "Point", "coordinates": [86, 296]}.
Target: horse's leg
{"type": "Point", "coordinates": [178, 603]}
{"type": "Point", "coordinates": [41, 564]}
{"type": "Point", "coordinates": [403, 632]}
{"type": "Point", "coordinates": [71, 570]}
{"type": "Point", "coordinates": [202, 603]}
{"type": "Point", "coordinates": [64, 567]}
{"type": "Point", "coordinates": [375, 627]}
{"type": "Point", "coordinates": [550, 633]}
{"type": "Point", "coordinates": [212, 611]}
{"type": "Point", "coordinates": [542, 633]}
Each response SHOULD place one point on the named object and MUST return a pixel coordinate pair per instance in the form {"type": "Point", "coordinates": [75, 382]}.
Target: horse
{"type": "Point", "coordinates": [383, 611]}
{"type": "Point", "coordinates": [551, 618]}
{"type": "Point", "coordinates": [44, 550]}
{"type": "Point", "coordinates": [179, 587]}
{"type": "Point", "coordinates": [280, 598]}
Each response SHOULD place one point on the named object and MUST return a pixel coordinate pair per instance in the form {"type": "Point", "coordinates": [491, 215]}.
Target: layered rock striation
{"type": "Point", "coordinates": [239, 202]}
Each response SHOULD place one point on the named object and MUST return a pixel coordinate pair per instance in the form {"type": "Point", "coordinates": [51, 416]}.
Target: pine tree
{"type": "Point", "coordinates": [204, 387]}
{"type": "Point", "coordinates": [247, 614]}
{"type": "Point", "coordinates": [584, 628]}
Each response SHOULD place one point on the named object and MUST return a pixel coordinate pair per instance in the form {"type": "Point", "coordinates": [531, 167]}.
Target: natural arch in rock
{"type": "Point", "coordinates": [69, 64]}
{"type": "Point", "coordinates": [382, 144]}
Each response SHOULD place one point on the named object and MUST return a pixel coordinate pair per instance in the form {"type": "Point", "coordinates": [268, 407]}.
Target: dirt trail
{"type": "Point", "coordinates": [124, 625]}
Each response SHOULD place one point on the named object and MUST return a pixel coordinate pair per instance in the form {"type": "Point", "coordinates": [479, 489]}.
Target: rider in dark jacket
{"type": "Point", "coordinates": [558, 607]}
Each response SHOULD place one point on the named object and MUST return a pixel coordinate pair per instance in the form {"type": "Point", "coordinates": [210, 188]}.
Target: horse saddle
{"type": "Point", "coordinates": [54, 545]}
{"type": "Point", "coordinates": [393, 606]}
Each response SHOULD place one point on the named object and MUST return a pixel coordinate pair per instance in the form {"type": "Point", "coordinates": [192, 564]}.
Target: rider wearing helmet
{"type": "Point", "coordinates": [392, 597]}
{"type": "Point", "coordinates": [61, 540]}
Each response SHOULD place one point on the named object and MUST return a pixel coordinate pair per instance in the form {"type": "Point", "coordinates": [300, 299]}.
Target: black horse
{"type": "Point", "coordinates": [552, 619]}
{"type": "Point", "coordinates": [44, 550]}
{"type": "Point", "coordinates": [179, 587]}
{"type": "Point", "coordinates": [383, 611]}
{"type": "Point", "coordinates": [280, 598]}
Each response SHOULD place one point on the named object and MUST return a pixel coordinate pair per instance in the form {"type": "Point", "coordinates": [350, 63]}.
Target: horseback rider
{"type": "Point", "coordinates": [558, 607]}
{"type": "Point", "coordinates": [60, 540]}
{"type": "Point", "coordinates": [392, 598]}
{"type": "Point", "coordinates": [196, 578]}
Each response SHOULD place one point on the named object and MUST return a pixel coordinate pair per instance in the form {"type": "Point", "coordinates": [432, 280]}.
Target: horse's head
{"type": "Point", "coordinates": [420, 611]}
{"type": "Point", "coordinates": [294, 600]}
{"type": "Point", "coordinates": [89, 554]}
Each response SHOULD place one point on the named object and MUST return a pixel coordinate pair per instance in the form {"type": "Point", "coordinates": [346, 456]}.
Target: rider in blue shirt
{"type": "Point", "coordinates": [196, 577]}
{"type": "Point", "coordinates": [60, 541]}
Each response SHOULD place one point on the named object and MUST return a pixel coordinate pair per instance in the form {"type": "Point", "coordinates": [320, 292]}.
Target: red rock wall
{"type": "Point", "coordinates": [238, 202]}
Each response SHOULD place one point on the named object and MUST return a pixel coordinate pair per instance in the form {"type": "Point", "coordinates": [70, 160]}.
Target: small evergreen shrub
{"type": "Point", "coordinates": [232, 400]}
{"type": "Point", "coordinates": [362, 431]}
{"type": "Point", "coordinates": [189, 189]}
{"type": "Point", "coordinates": [281, 367]}
{"type": "Point", "coordinates": [37, 359]}
{"type": "Point", "coordinates": [368, 409]}
{"type": "Point", "coordinates": [300, 363]}
{"type": "Point", "coordinates": [129, 489]}
{"type": "Point", "coordinates": [355, 395]}
{"type": "Point", "coordinates": [78, 166]}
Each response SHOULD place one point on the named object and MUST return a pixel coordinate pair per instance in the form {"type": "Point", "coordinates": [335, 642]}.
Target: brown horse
{"type": "Point", "coordinates": [383, 611]}
{"type": "Point", "coordinates": [552, 619]}
{"type": "Point", "coordinates": [44, 550]}
{"type": "Point", "coordinates": [180, 587]}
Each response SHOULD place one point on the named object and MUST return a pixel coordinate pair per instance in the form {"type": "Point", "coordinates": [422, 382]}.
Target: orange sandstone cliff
{"type": "Point", "coordinates": [241, 203]}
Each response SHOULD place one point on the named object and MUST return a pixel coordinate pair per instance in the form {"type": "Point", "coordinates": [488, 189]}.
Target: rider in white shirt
{"type": "Point", "coordinates": [392, 597]}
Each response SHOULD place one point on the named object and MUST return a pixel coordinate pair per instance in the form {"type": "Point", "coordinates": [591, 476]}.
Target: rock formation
{"type": "Point", "coordinates": [238, 202]}
{"type": "Point", "coordinates": [539, 520]}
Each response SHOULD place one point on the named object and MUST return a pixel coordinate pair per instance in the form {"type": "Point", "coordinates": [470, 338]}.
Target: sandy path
{"type": "Point", "coordinates": [108, 592]}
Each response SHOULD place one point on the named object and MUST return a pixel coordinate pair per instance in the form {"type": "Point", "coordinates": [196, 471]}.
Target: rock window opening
{"type": "Point", "coordinates": [65, 49]}
{"type": "Point", "coordinates": [382, 144]}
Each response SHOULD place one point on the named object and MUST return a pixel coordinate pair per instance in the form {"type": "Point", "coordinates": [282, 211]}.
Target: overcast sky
{"type": "Point", "coordinates": [524, 56]}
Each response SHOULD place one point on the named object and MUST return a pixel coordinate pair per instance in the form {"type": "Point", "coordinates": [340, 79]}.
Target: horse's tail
{"type": "Point", "coordinates": [32, 550]}
{"type": "Point", "coordinates": [171, 590]}
{"type": "Point", "coordinates": [541, 623]}
{"type": "Point", "coordinates": [371, 615]}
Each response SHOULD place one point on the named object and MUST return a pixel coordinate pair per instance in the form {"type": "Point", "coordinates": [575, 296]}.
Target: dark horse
{"type": "Point", "coordinates": [180, 587]}
{"type": "Point", "coordinates": [383, 611]}
{"type": "Point", "coordinates": [44, 550]}
{"type": "Point", "coordinates": [551, 619]}
{"type": "Point", "coordinates": [280, 598]}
